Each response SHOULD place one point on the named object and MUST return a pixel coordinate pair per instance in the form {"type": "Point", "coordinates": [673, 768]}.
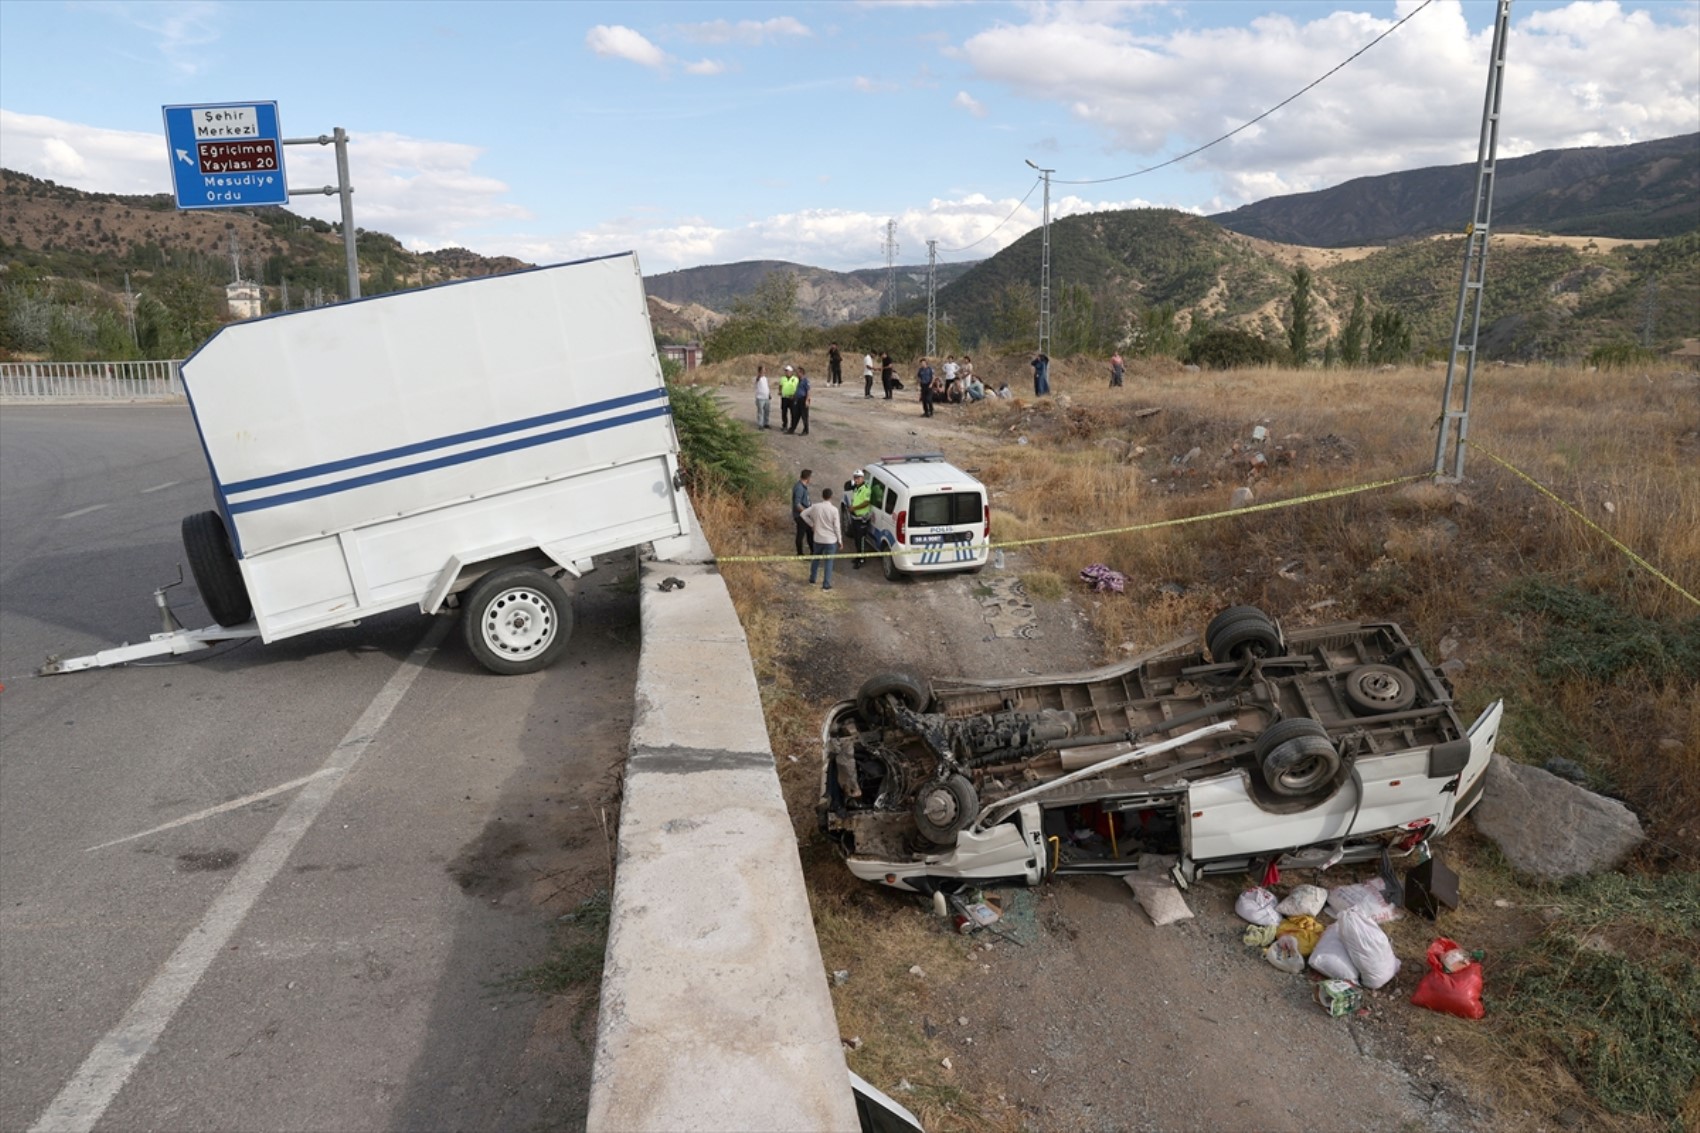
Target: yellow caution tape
{"type": "Point", "coordinates": [1332, 493]}
{"type": "Point", "coordinates": [1565, 504]}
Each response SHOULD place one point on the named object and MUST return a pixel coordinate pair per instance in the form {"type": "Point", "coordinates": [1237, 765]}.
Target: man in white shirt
{"type": "Point", "coordinates": [868, 376]}
{"type": "Point", "coordinates": [764, 397]}
{"type": "Point", "coordinates": [822, 519]}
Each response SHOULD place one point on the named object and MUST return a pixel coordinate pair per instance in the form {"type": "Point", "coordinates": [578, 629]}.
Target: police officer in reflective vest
{"type": "Point", "coordinates": [787, 391]}
{"type": "Point", "coordinates": [859, 508]}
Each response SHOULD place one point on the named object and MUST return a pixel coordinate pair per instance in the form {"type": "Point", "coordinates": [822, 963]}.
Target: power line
{"type": "Point", "coordinates": [1247, 125]}
{"type": "Point", "coordinates": [1002, 222]}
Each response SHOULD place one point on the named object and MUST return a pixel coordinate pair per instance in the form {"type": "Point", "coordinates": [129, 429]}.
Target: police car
{"type": "Point", "coordinates": [928, 514]}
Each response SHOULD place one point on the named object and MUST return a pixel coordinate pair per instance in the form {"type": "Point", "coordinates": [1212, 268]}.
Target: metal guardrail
{"type": "Point", "coordinates": [90, 381]}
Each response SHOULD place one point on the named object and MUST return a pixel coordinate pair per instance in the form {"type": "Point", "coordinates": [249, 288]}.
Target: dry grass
{"type": "Point", "coordinates": [1441, 559]}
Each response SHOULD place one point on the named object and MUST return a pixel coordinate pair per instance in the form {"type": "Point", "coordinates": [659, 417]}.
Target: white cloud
{"type": "Point", "coordinates": [84, 157]}
{"type": "Point", "coordinates": [872, 86]}
{"type": "Point", "coordinates": [1589, 73]}
{"type": "Point", "coordinates": [180, 33]}
{"type": "Point", "coordinates": [752, 33]}
{"type": "Point", "coordinates": [969, 227]}
{"type": "Point", "coordinates": [969, 103]}
{"type": "Point", "coordinates": [614, 41]}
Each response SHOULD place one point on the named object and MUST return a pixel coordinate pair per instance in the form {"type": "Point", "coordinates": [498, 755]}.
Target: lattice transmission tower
{"type": "Point", "coordinates": [889, 247]}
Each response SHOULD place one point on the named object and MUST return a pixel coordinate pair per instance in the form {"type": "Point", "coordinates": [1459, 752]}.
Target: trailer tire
{"type": "Point", "coordinates": [910, 689]}
{"type": "Point", "coordinates": [1296, 757]}
{"type": "Point", "coordinates": [1250, 633]}
{"type": "Point", "coordinates": [516, 620]}
{"type": "Point", "coordinates": [206, 543]}
{"type": "Point", "coordinates": [1373, 690]}
{"type": "Point", "coordinates": [944, 808]}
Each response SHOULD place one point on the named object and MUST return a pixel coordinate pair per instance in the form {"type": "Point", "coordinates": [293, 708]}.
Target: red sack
{"type": "Point", "coordinates": [1451, 993]}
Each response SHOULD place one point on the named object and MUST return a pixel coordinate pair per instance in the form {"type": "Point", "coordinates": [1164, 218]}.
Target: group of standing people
{"type": "Point", "coordinates": [793, 399]}
{"type": "Point", "coordinates": [952, 382]}
{"type": "Point", "coordinates": [822, 527]}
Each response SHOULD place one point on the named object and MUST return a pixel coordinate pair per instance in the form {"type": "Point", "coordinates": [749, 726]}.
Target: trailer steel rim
{"type": "Point", "coordinates": [519, 622]}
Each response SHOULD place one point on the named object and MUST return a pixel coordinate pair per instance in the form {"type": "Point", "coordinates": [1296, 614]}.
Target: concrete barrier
{"type": "Point", "coordinates": [715, 1012]}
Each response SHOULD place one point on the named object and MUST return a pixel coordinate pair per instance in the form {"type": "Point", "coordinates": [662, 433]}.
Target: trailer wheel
{"type": "Point", "coordinates": [1249, 633]}
{"type": "Point", "coordinates": [516, 620]}
{"type": "Point", "coordinates": [945, 807]}
{"type": "Point", "coordinates": [1372, 690]}
{"type": "Point", "coordinates": [1297, 757]}
{"type": "Point", "coordinates": [207, 545]}
{"type": "Point", "coordinates": [910, 689]}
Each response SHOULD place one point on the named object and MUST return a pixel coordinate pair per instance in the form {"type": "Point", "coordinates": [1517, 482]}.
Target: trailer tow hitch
{"type": "Point", "coordinates": [172, 639]}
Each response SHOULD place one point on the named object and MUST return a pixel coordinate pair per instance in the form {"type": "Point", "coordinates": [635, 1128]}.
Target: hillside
{"type": "Point", "coordinates": [824, 298]}
{"type": "Point", "coordinates": [1648, 189]}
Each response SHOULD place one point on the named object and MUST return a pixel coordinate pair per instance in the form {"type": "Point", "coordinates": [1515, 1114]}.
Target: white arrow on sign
{"type": "Point", "coordinates": [183, 156]}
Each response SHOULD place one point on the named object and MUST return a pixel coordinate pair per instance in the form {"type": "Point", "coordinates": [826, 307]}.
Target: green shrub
{"type": "Point", "coordinates": [1223, 348]}
{"type": "Point", "coordinates": [717, 454]}
{"type": "Point", "coordinates": [1621, 355]}
{"type": "Point", "coordinates": [1591, 636]}
{"type": "Point", "coordinates": [1613, 988]}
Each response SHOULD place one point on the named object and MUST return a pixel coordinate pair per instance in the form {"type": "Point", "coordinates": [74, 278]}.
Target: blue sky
{"type": "Point", "coordinates": [710, 132]}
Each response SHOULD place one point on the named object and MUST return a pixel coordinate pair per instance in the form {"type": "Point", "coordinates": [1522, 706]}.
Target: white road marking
{"type": "Point", "coordinates": [82, 511]}
{"type": "Point", "coordinates": [161, 487]}
{"type": "Point", "coordinates": [85, 1098]}
{"type": "Point", "coordinates": [233, 804]}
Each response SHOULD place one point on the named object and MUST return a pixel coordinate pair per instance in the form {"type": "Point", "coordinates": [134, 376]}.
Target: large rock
{"type": "Point", "coordinates": [1550, 829]}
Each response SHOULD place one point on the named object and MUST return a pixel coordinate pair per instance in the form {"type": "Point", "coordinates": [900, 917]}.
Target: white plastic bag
{"type": "Point", "coordinates": [1303, 901]}
{"type": "Point", "coordinates": [1285, 954]}
{"type": "Point", "coordinates": [1331, 958]}
{"type": "Point", "coordinates": [1257, 906]}
{"type": "Point", "coordinates": [1369, 948]}
{"type": "Point", "coordinates": [1370, 896]}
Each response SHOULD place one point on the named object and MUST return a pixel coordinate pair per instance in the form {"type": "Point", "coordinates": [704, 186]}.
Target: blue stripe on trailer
{"type": "Point", "coordinates": [442, 462]}
{"type": "Point", "coordinates": [440, 442]}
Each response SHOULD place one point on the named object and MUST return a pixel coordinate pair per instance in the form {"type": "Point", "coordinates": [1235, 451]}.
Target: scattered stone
{"type": "Point", "coordinates": [1550, 829]}
{"type": "Point", "coordinates": [1242, 496]}
{"type": "Point", "coordinates": [840, 977]}
{"type": "Point", "coordinates": [1192, 454]}
{"type": "Point", "coordinates": [1324, 604]}
{"type": "Point", "coordinates": [1138, 450]}
{"type": "Point", "coordinates": [854, 1043]}
{"type": "Point", "coordinates": [1289, 570]}
{"type": "Point", "coordinates": [1190, 368]}
{"type": "Point", "coordinates": [1611, 508]}
{"type": "Point", "coordinates": [962, 1020]}
{"type": "Point", "coordinates": [1501, 903]}
{"type": "Point", "coordinates": [1448, 646]}
{"type": "Point", "coordinates": [1260, 434]}
{"type": "Point", "coordinates": [1150, 412]}
{"type": "Point", "coordinates": [1174, 588]}
{"type": "Point", "coordinates": [945, 1062]}
{"type": "Point", "coordinates": [917, 972]}
{"type": "Point", "coordinates": [903, 1084]}
{"type": "Point", "coordinates": [1566, 769]}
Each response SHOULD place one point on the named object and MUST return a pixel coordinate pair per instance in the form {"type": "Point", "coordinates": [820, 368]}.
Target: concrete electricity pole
{"type": "Point", "coordinates": [1045, 268]}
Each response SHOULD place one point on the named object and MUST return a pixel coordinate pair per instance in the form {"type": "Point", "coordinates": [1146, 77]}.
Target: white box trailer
{"type": "Point", "coordinates": [478, 438]}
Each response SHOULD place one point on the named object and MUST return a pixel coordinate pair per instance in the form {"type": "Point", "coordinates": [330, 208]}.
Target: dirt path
{"type": "Point", "coordinates": [1102, 1021]}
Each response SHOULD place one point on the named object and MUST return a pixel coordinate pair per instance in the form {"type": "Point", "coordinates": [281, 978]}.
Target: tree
{"type": "Point", "coordinates": [1015, 315]}
{"type": "Point", "coordinates": [1224, 348]}
{"type": "Point", "coordinates": [1155, 333]}
{"type": "Point", "coordinates": [762, 322]}
{"type": "Point", "coordinates": [1073, 323]}
{"type": "Point", "coordinates": [1389, 338]}
{"type": "Point", "coordinates": [1352, 337]}
{"type": "Point", "coordinates": [1298, 331]}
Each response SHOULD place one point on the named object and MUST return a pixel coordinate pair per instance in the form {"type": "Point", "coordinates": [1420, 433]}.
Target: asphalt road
{"type": "Point", "coordinates": [327, 955]}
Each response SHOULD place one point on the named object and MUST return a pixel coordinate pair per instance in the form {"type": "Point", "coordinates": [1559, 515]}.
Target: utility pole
{"type": "Point", "coordinates": [130, 311]}
{"type": "Point", "coordinates": [1045, 268]}
{"type": "Point", "coordinates": [932, 318]}
{"type": "Point", "coordinates": [889, 247]}
{"type": "Point", "coordinates": [1455, 422]}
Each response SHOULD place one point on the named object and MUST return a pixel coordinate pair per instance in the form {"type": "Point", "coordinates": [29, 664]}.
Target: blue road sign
{"type": "Point", "coordinates": [225, 155]}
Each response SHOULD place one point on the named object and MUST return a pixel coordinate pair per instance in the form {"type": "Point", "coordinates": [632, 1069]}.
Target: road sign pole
{"type": "Point", "coordinates": [342, 188]}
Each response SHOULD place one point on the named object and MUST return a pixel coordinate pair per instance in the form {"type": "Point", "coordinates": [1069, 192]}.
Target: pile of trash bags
{"type": "Point", "coordinates": [1353, 952]}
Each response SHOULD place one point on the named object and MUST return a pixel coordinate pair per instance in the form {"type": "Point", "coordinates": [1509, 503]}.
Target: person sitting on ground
{"type": "Point", "coordinates": [976, 389]}
{"type": "Point", "coordinates": [1004, 391]}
